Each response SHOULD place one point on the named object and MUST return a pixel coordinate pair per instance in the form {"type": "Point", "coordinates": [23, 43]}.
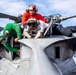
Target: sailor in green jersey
{"type": "Point", "coordinates": [13, 30]}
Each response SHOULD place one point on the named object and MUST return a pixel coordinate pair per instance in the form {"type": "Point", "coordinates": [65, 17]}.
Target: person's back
{"type": "Point", "coordinates": [13, 29]}
{"type": "Point", "coordinates": [31, 12]}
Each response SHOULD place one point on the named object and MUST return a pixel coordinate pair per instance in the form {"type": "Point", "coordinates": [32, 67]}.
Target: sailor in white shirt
{"type": "Point", "coordinates": [34, 26]}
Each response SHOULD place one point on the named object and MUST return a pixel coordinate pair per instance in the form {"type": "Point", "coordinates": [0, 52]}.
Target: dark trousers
{"type": "Point", "coordinates": [60, 30]}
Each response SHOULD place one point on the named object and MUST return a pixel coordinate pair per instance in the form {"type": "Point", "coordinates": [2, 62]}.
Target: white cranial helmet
{"type": "Point", "coordinates": [31, 20]}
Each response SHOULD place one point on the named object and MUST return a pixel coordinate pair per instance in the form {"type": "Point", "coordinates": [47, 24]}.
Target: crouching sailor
{"type": "Point", "coordinates": [11, 30]}
{"type": "Point", "coordinates": [34, 28]}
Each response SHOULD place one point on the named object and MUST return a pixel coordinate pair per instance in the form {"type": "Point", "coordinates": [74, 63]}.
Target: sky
{"type": "Point", "coordinates": [45, 8]}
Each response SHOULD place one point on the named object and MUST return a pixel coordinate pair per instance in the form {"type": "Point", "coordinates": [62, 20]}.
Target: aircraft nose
{"type": "Point", "coordinates": [39, 64]}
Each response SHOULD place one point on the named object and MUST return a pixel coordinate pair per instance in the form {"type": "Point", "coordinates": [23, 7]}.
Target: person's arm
{"type": "Point", "coordinates": [25, 32]}
{"type": "Point", "coordinates": [8, 47]}
{"type": "Point", "coordinates": [42, 18]}
{"type": "Point", "coordinates": [24, 18]}
{"type": "Point", "coordinates": [41, 28]}
{"type": "Point", "coordinates": [39, 34]}
{"type": "Point", "coordinates": [17, 28]}
{"type": "Point", "coordinates": [18, 31]}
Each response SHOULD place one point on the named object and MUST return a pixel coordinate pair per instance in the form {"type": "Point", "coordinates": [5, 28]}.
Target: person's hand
{"type": "Point", "coordinates": [19, 52]}
{"type": "Point", "coordinates": [29, 37]}
{"type": "Point", "coordinates": [35, 37]}
{"type": "Point", "coordinates": [16, 39]}
{"type": "Point", "coordinates": [0, 38]}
